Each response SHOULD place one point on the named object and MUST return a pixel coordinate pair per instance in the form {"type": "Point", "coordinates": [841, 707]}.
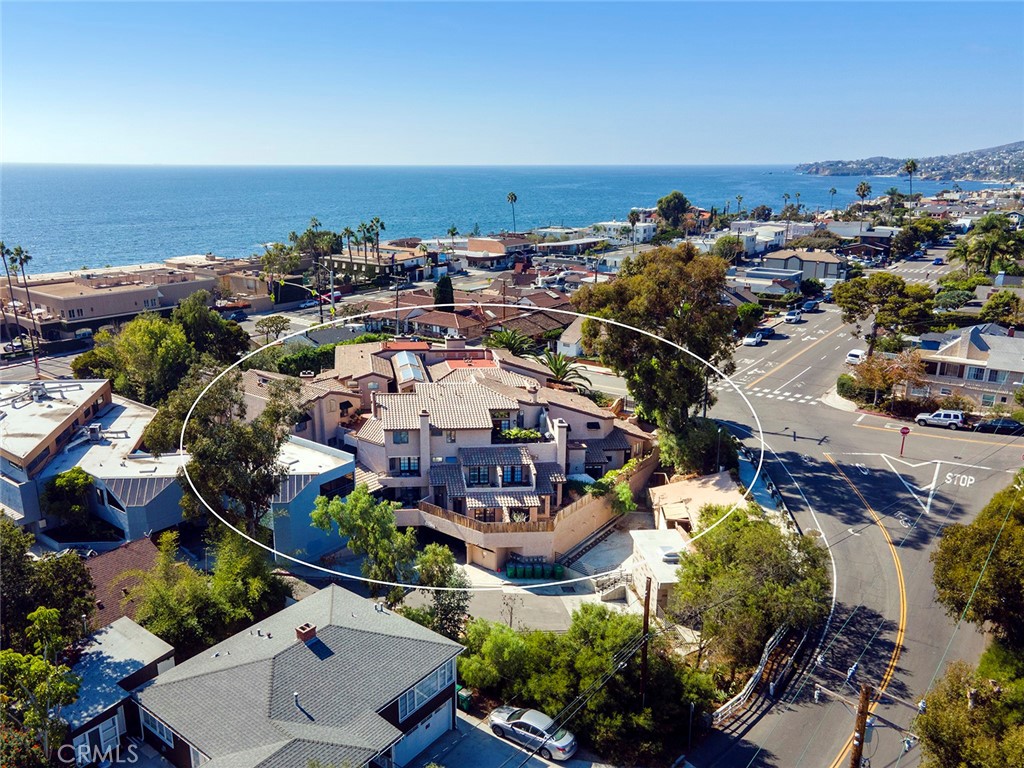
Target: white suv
{"type": "Point", "coordinates": [948, 419]}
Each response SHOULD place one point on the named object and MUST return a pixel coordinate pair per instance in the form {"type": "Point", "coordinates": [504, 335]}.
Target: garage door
{"type": "Point", "coordinates": [424, 734]}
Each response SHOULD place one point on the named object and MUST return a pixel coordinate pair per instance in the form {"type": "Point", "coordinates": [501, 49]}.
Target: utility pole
{"type": "Point", "coordinates": [643, 653]}
{"type": "Point", "coordinates": [861, 726]}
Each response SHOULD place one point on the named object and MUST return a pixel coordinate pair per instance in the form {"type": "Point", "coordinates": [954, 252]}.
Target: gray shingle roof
{"type": "Point", "coordinates": [596, 447]}
{"type": "Point", "coordinates": [235, 703]}
{"type": "Point", "coordinates": [548, 473]}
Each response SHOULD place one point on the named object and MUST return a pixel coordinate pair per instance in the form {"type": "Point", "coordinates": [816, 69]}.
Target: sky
{"type": "Point", "coordinates": [506, 83]}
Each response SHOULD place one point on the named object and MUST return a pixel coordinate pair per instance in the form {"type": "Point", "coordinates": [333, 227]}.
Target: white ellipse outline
{"type": "Point", "coordinates": [528, 587]}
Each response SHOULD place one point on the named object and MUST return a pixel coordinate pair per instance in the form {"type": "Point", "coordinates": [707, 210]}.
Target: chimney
{"type": "Point", "coordinates": [305, 633]}
{"type": "Point", "coordinates": [532, 389]}
{"type": "Point", "coordinates": [425, 441]}
{"type": "Point", "coordinates": [562, 443]}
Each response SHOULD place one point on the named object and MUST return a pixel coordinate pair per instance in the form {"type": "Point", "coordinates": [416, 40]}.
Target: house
{"type": "Point", "coordinates": [570, 343]}
{"type": "Point", "coordinates": [865, 234]}
{"type": "Point", "coordinates": [656, 554]}
{"type": "Point", "coordinates": [113, 661]}
{"type": "Point", "coordinates": [809, 262]}
{"type": "Point", "coordinates": [325, 403]}
{"type": "Point", "coordinates": [106, 570]}
{"type": "Point", "coordinates": [983, 364]}
{"type": "Point", "coordinates": [331, 680]}
{"type": "Point", "coordinates": [678, 504]}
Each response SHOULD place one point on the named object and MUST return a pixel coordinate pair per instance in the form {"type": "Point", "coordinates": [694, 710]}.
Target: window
{"type": "Point", "coordinates": [987, 401]}
{"type": "Point", "coordinates": [406, 466]}
{"type": "Point", "coordinates": [513, 474]}
{"type": "Point", "coordinates": [478, 476]}
{"type": "Point", "coordinates": [919, 391]}
{"type": "Point", "coordinates": [997, 377]}
{"type": "Point", "coordinates": [593, 425]}
{"type": "Point", "coordinates": [38, 460]}
{"type": "Point", "coordinates": [449, 436]}
{"type": "Point", "coordinates": [156, 727]}
{"type": "Point", "coordinates": [975, 374]}
{"type": "Point", "coordinates": [400, 436]}
{"type": "Point", "coordinates": [426, 689]}
{"type": "Point", "coordinates": [501, 420]}
{"type": "Point", "coordinates": [339, 486]}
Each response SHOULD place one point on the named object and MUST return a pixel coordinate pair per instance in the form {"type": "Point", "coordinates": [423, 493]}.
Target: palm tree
{"type": "Point", "coordinates": [831, 198]}
{"type": "Point", "coordinates": [453, 232]}
{"type": "Point", "coordinates": [863, 190]}
{"type": "Point", "coordinates": [19, 262]}
{"type": "Point", "coordinates": [314, 223]}
{"type": "Point", "coordinates": [911, 168]}
{"type": "Point", "coordinates": [563, 369]}
{"type": "Point", "coordinates": [739, 203]}
{"type": "Point", "coordinates": [512, 200]}
{"type": "Point", "coordinates": [785, 200]}
{"type": "Point", "coordinates": [378, 227]}
{"type": "Point", "coordinates": [634, 219]}
{"type": "Point", "coordinates": [5, 252]}
{"type": "Point", "coordinates": [364, 237]}
{"type": "Point", "coordinates": [512, 340]}
{"type": "Point", "coordinates": [893, 194]}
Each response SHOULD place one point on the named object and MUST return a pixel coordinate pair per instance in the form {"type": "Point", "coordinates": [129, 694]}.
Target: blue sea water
{"type": "Point", "coordinates": [73, 216]}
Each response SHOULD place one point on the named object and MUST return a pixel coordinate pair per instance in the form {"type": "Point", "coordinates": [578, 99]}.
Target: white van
{"type": "Point", "coordinates": [856, 356]}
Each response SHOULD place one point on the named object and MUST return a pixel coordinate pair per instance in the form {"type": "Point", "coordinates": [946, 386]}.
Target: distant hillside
{"type": "Point", "coordinates": [1005, 163]}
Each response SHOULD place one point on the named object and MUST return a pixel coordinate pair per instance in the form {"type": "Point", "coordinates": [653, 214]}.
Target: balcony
{"type": "Point", "coordinates": [519, 436]}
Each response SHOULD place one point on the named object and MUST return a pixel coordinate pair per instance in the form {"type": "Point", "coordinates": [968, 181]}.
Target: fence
{"type": "Point", "coordinates": [737, 701]}
{"type": "Point", "coordinates": [534, 526]}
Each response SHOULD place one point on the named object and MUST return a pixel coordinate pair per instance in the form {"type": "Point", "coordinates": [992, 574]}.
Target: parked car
{"type": "Point", "coordinates": [1001, 426]}
{"type": "Point", "coordinates": [918, 254]}
{"type": "Point", "coordinates": [766, 331]}
{"type": "Point", "coordinates": [947, 419]}
{"type": "Point", "coordinates": [534, 730]}
{"type": "Point", "coordinates": [827, 297]}
{"type": "Point", "coordinates": [752, 339]}
{"type": "Point", "coordinates": [17, 344]}
{"type": "Point", "coordinates": [937, 261]}
{"type": "Point", "coordinates": [309, 303]}
{"type": "Point", "coordinates": [856, 356]}
{"type": "Point", "coordinates": [400, 286]}
{"type": "Point", "coordinates": [238, 316]}
{"type": "Point", "coordinates": [793, 316]}
{"type": "Point", "coordinates": [810, 305]}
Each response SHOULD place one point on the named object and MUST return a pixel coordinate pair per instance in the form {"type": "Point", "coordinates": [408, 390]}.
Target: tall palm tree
{"type": "Point", "coordinates": [512, 340]}
{"type": "Point", "coordinates": [5, 253]}
{"type": "Point", "coordinates": [364, 237]}
{"type": "Point", "coordinates": [863, 190]}
{"type": "Point", "coordinates": [893, 194]}
{"type": "Point", "coordinates": [831, 198]}
{"type": "Point", "coordinates": [739, 203]}
{"type": "Point", "coordinates": [347, 234]}
{"type": "Point", "coordinates": [634, 219]}
{"type": "Point", "coordinates": [911, 168]}
{"type": "Point", "coordinates": [19, 261]}
{"type": "Point", "coordinates": [453, 232]}
{"type": "Point", "coordinates": [512, 200]}
{"type": "Point", "coordinates": [563, 370]}
{"type": "Point", "coordinates": [378, 227]}
{"type": "Point", "coordinates": [785, 200]}
{"type": "Point", "coordinates": [797, 202]}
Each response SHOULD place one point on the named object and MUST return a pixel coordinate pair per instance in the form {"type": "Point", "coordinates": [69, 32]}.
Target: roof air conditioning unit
{"type": "Point", "coordinates": [95, 432]}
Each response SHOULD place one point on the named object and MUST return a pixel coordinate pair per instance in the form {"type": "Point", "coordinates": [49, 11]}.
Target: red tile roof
{"type": "Point", "coordinates": [104, 569]}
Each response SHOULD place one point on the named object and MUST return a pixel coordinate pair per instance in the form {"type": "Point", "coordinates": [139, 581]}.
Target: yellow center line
{"type": "Point", "coordinates": [789, 360]}
{"type": "Point", "coordinates": [901, 627]}
{"type": "Point", "coordinates": [928, 434]}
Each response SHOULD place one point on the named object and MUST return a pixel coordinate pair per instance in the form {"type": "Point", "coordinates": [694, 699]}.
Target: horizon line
{"type": "Point", "coordinates": [398, 165]}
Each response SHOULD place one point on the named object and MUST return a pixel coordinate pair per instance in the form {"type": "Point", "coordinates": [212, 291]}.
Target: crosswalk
{"type": "Point", "coordinates": [790, 397]}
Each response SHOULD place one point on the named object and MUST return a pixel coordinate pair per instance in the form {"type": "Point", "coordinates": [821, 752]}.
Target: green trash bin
{"type": "Point", "coordinates": [510, 570]}
{"type": "Point", "coordinates": [464, 698]}
{"type": "Point", "coordinates": [519, 570]}
{"type": "Point", "coordinates": [547, 570]}
{"type": "Point", "coordinates": [559, 571]}
{"type": "Point", "coordinates": [528, 571]}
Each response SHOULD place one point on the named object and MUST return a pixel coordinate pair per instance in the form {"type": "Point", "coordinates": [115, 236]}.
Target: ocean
{"type": "Point", "coordinates": [76, 216]}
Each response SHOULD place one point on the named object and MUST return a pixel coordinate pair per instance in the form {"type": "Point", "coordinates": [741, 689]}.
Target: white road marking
{"type": "Point", "coordinates": [805, 370]}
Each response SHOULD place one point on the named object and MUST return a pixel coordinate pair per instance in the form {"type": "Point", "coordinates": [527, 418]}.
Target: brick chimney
{"type": "Point", "coordinates": [305, 632]}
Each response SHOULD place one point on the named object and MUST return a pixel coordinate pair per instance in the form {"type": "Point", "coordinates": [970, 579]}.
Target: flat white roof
{"type": "Point", "coordinates": [24, 423]}
{"type": "Point", "coordinates": [652, 545]}
{"type": "Point", "coordinates": [304, 457]}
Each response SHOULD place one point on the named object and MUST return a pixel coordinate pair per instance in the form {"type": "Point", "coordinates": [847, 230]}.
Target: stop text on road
{"type": "Point", "coordinates": [964, 481]}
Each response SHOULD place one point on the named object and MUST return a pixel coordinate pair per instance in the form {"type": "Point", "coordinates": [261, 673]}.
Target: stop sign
{"type": "Point", "coordinates": [905, 430]}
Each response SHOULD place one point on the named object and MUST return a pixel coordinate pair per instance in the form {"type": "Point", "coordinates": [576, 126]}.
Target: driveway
{"type": "Point", "coordinates": [472, 745]}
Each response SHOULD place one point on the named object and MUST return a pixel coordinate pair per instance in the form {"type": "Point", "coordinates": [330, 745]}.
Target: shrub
{"type": "Point", "coordinates": [847, 387]}
{"type": "Point", "coordinates": [520, 435]}
{"type": "Point", "coordinates": [908, 409]}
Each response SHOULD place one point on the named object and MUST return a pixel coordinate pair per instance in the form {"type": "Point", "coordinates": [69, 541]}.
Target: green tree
{"type": "Point", "coordinates": [62, 583]}
{"type": "Point", "coordinates": [207, 331]}
{"type": "Point", "coordinates": [727, 248]}
{"type": "Point", "coordinates": [174, 601]}
{"type": "Point", "coordinates": [761, 213]}
{"type": "Point", "coordinates": [449, 611]}
{"type": "Point", "coordinates": [444, 294]}
{"type": "Point", "coordinates": [279, 261]}
{"type": "Point", "coordinates": [891, 304]}
{"type": "Point", "coordinates": [243, 582]}
{"type": "Point", "coordinates": [634, 219]}
{"type": "Point", "coordinates": [388, 554]}
{"type": "Point", "coordinates": [674, 293]}
{"type": "Point", "coordinates": [67, 496]}
{"type": "Point", "coordinates": [978, 572]}
{"type": "Point", "coordinates": [910, 168]}
{"type": "Point", "coordinates": [622, 498]}
{"type": "Point", "coordinates": [1003, 307]}
{"type": "Point", "coordinates": [863, 191]}
{"type": "Point", "coordinates": [748, 316]}
{"type": "Point", "coordinates": [672, 208]}
{"type": "Point", "coordinates": [952, 299]}
{"type": "Point", "coordinates": [233, 464]}
{"type": "Point", "coordinates": [274, 325]}
{"type": "Point", "coordinates": [35, 687]}
{"type": "Point", "coordinates": [744, 579]}
{"type": "Point", "coordinates": [512, 340]}
{"type": "Point", "coordinates": [831, 198]}
{"type": "Point", "coordinates": [563, 370]}
{"type": "Point", "coordinates": [512, 200]}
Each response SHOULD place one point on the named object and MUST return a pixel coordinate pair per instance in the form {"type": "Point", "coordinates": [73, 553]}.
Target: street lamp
{"type": "Point", "coordinates": [718, 452]}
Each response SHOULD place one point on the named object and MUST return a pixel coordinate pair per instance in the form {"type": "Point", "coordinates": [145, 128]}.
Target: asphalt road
{"type": "Point", "coordinates": [841, 473]}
